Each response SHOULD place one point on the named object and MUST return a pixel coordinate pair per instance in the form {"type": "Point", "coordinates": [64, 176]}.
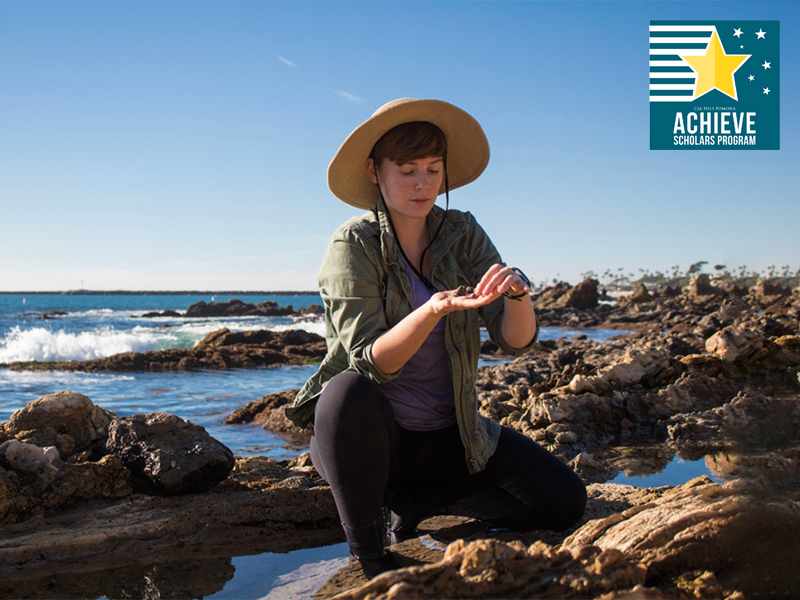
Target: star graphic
{"type": "Point", "coordinates": [766, 65]}
{"type": "Point", "coordinates": [737, 32]}
{"type": "Point", "coordinates": [761, 34]}
{"type": "Point", "coordinates": [766, 90]}
{"type": "Point", "coordinates": [751, 78]}
{"type": "Point", "coordinates": [741, 47]}
{"type": "Point", "coordinates": [715, 69]}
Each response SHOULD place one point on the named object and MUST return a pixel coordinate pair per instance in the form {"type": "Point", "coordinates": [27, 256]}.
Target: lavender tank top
{"type": "Point", "coordinates": [422, 395]}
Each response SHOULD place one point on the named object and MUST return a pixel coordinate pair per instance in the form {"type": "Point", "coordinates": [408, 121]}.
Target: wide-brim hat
{"type": "Point", "coordinates": [467, 148]}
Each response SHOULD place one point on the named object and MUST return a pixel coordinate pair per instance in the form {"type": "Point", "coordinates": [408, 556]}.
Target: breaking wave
{"type": "Point", "coordinates": [40, 344]}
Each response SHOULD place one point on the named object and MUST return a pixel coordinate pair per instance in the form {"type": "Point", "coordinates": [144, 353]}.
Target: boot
{"type": "Point", "coordinates": [410, 504]}
{"type": "Point", "coordinates": [366, 546]}
{"type": "Point", "coordinates": [401, 527]}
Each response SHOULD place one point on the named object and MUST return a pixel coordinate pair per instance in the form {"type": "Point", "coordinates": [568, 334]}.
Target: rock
{"type": "Point", "coordinates": [751, 420]}
{"type": "Point", "coordinates": [260, 410]}
{"type": "Point", "coordinates": [269, 411]}
{"type": "Point", "coordinates": [733, 344]}
{"type": "Point", "coordinates": [66, 420]}
{"type": "Point", "coordinates": [237, 308]}
{"type": "Point", "coordinates": [701, 526]}
{"type": "Point", "coordinates": [700, 285]}
{"type": "Point", "coordinates": [692, 391]}
{"type": "Point", "coordinates": [168, 454]}
{"type": "Point", "coordinates": [157, 314]}
{"type": "Point", "coordinates": [549, 296]}
{"type": "Point", "coordinates": [698, 540]}
{"type": "Point", "coordinates": [311, 309]}
{"type": "Point", "coordinates": [639, 363]}
{"type": "Point", "coordinates": [639, 295]}
{"type": "Point", "coordinates": [54, 313]}
{"type": "Point", "coordinates": [112, 548]}
{"type": "Point", "coordinates": [221, 349]}
{"type": "Point", "coordinates": [42, 464]}
{"type": "Point", "coordinates": [35, 482]}
{"type": "Point", "coordinates": [493, 569]}
{"type": "Point", "coordinates": [769, 291]}
{"type": "Point", "coordinates": [296, 339]}
{"type": "Point", "coordinates": [731, 310]}
{"type": "Point", "coordinates": [583, 295]}
{"type": "Point", "coordinates": [591, 470]}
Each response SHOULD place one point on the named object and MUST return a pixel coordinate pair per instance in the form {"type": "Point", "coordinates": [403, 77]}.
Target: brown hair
{"type": "Point", "coordinates": [410, 141]}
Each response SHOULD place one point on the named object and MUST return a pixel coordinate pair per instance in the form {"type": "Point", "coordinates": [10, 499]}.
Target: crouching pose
{"type": "Point", "coordinates": [396, 428]}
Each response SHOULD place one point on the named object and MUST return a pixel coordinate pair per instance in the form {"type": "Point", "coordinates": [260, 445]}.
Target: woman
{"type": "Point", "coordinates": [393, 405]}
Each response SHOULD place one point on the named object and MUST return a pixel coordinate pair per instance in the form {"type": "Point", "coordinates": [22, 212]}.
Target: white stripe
{"type": "Point", "coordinates": [671, 99]}
{"type": "Point", "coordinates": [668, 63]}
{"type": "Point", "coordinates": [681, 27]}
{"type": "Point", "coordinates": [678, 40]}
{"type": "Point", "coordinates": [672, 75]}
{"type": "Point", "coordinates": [671, 86]}
{"type": "Point", "coordinates": [678, 51]}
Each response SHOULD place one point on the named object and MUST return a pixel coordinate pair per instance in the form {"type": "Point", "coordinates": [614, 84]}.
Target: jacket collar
{"type": "Point", "coordinates": [455, 226]}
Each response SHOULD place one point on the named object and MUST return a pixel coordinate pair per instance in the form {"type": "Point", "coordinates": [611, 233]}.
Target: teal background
{"type": "Point", "coordinates": [751, 93]}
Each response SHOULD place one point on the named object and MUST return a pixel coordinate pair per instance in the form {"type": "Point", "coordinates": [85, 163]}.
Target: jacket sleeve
{"type": "Point", "coordinates": [483, 254]}
{"type": "Point", "coordinates": [352, 284]}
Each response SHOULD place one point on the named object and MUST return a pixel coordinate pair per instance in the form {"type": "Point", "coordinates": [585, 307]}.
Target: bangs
{"type": "Point", "coordinates": [410, 141]}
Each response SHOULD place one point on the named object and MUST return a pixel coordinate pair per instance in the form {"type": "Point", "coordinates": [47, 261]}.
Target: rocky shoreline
{"type": "Point", "coordinates": [708, 372]}
{"type": "Point", "coordinates": [219, 350]}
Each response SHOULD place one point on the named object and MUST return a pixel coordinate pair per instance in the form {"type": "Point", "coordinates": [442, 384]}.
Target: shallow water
{"type": "Point", "coordinates": [202, 397]}
{"type": "Point", "coordinates": [293, 575]}
{"type": "Point", "coordinates": [677, 472]}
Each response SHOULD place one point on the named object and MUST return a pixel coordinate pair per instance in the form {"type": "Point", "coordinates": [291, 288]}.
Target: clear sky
{"type": "Point", "coordinates": [184, 145]}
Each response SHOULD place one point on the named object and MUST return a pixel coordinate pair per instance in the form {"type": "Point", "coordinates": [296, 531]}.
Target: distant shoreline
{"type": "Point", "coordinates": [164, 293]}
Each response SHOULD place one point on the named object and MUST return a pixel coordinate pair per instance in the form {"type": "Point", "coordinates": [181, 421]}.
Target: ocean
{"type": "Point", "coordinates": [55, 327]}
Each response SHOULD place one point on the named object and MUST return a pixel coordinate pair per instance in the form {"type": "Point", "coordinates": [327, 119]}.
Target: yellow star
{"type": "Point", "coordinates": [715, 70]}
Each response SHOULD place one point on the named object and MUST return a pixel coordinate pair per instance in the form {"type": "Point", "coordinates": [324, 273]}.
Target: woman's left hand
{"type": "Point", "coordinates": [451, 300]}
{"type": "Point", "coordinates": [500, 279]}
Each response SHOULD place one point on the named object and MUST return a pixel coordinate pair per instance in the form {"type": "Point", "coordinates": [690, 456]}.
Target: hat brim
{"type": "Point", "coordinates": [467, 148]}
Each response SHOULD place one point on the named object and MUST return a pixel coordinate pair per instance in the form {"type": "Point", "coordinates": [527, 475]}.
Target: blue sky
{"type": "Point", "coordinates": [184, 145]}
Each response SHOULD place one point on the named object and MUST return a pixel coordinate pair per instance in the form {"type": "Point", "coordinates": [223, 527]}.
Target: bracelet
{"type": "Point", "coordinates": [518, 297]}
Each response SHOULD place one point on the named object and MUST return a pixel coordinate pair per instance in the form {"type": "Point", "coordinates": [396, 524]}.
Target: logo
{"type": "Point", "coordinates": [714, 85]}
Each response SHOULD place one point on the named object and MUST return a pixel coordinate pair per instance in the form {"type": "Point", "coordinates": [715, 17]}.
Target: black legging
{"type": "Point", "coordinates": [370, 461]}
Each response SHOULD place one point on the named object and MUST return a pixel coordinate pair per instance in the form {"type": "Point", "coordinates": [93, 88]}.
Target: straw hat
{"type": "Point", "coordinates": [467, 147]}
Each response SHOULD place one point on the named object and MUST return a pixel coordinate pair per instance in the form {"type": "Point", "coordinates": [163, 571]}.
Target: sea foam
{"type": "Point", "coordinates": [42, 344]}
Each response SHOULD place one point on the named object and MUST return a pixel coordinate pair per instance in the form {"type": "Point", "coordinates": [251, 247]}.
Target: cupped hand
{"type": "Point", "coordinates": [449, 301]}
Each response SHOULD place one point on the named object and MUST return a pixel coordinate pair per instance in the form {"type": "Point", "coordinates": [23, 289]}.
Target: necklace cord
{"type": "Point", "coordinates": [426, 282]}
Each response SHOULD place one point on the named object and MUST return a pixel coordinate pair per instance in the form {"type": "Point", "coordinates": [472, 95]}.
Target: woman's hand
{"type": "Point", "coordinates": [397, 345]}
{"type": "Point", "coordinates": [443, 303]}
{"type": "Point", "coordinates": [498, 280]}
{"type": "Point", "coordinates": [503, 279]}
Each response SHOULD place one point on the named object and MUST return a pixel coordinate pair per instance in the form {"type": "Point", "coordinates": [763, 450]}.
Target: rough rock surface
{"type": "Point", "coordinates": [237, 308]}
{"type": "Point", "coordinates": [181, 544]}
{"type": "Point", "coordinates": [590, 396]}
{"type": "Point", "coordinates": [269, 411]}
{"type": "Point", "coordinates": [562, 295]}
{"type": "Point", "coordinates": [66, 420]}
{"type": "Point", "coordinates": [699, 540]}
{"type": "Point", "coordinates": [168, 455]}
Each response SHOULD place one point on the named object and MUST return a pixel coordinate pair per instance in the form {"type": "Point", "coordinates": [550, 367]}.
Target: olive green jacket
{"type": "Point", "coordinates": [366, 291]}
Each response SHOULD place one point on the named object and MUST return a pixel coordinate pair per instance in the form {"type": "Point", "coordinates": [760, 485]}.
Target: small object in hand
{"type": "Point", "coordinates": [465, 290]}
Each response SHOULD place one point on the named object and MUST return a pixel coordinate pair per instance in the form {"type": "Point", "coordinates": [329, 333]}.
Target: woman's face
{"type": "Point", "coordinates": [409, 188]}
